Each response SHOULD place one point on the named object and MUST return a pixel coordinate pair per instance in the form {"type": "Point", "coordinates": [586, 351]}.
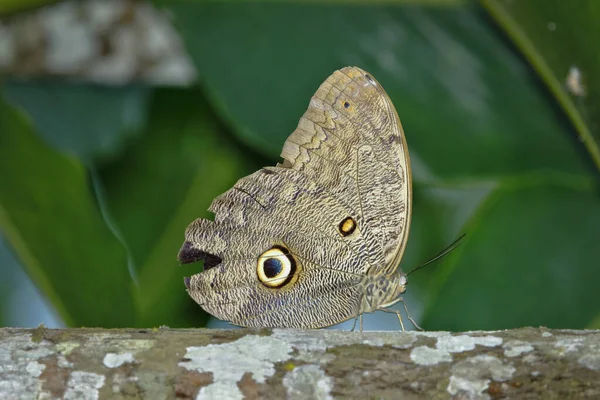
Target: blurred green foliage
{"type": "Point", "coordinates": [98, 183]}
{"type": "Point", "coordinates": [7, 7]}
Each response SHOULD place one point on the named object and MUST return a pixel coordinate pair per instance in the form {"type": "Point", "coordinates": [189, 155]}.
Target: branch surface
{"type": "Point", "coordinates": [319, 364]}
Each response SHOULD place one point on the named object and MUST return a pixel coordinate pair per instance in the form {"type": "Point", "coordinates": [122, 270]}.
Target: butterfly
{"type": "Point", "coordinates": [316, 239]}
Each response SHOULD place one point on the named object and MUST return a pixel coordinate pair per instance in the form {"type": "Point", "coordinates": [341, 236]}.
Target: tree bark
{"type": "Point", "coordinates": [317, 364]}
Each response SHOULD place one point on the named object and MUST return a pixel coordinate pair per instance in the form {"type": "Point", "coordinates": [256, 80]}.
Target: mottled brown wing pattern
{"type": "Point", "coordinates": [349, 115]}
{"type": "Point", "coordinates": [281, 211]}
{"type": "Point", "coordinates": [346, 159]}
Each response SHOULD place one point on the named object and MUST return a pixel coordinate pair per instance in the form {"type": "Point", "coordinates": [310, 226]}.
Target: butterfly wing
{"type": "Point", "coordinates": [351, 140]}
{"type": "Point", "coordinates": [335, 209]}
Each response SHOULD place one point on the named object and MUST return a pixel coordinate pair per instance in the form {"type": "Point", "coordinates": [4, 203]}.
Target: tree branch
{"type": "Point", "coordinates": [322, 364]}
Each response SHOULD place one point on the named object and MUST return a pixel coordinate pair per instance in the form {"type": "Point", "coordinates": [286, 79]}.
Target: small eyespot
{"type": "Point", "coordinates": [276, 267]}
{"type": "Point", "coordinates": [347, 226]}
{"type": "Point", "coordinates": [346, 104]}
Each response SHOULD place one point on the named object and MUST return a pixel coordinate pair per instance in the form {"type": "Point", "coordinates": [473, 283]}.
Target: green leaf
{"type": "Point", "coordinates": [160, 185]}
{"type": "Point", "coordinates": [87, 120]}
{"type": "Point", "coordinates": [451, 78]}
{"type": "Point", "coordinates": [560, 40]}
{"type": "Point", "coordinates": [49, 216]}
{"type": "Point", "coordinates": [485, 141]}
{"type": "Point", "coordinates": [509, 278]}
{"type": "Point", "coordinates": [595, 324]}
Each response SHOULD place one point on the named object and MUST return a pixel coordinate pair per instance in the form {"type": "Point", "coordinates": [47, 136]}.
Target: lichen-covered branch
{"type": "Point", "coordinates": [319, 364]}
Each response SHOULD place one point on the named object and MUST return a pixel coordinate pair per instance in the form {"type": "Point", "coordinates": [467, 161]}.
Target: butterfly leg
{"type": "Point", "coordinates": [409, 317]}
{"type": "Point", "coordinates": [389, 310]}
{"type": "Point", "coordinates": [354, 324]}
{"type": "Point", "coordinates": [400, 320]}
{"type": "Point", "coordinates": [358, 315]}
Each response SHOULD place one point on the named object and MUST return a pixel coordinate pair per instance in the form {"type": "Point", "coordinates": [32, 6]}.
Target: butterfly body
{"type": "Point", "coordinates": [382, 291]}
{"type": "Point", "coordinates": [317, 239]}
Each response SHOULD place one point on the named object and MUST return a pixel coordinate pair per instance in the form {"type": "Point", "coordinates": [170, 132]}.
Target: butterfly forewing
{"type": "Point", "coordinates": [351, 111]}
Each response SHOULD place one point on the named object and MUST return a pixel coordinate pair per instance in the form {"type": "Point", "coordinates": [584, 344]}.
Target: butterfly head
{"type": "Point", "coordinates": [398, 283]}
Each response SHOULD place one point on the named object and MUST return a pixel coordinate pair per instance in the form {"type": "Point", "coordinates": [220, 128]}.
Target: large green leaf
{"type": "Point", "coordinates": [485, 141]}
{"type": "Point", "coordinates": [49, 215]}
{"type": "Point", "coordinates": [527, 261]}
{"type": "Point", "coordinates": [445, 69]}
{"type": "Point", "coordinates": [560, 40]}
{"type": "Point", "coordinates": [89, 121]}
{"type": "Point", "coordinates": [161, 184]}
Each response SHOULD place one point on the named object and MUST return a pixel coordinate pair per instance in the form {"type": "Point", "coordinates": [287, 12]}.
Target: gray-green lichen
{"type": "Point", "coordinates": [447, 344]}
{"type": "Point", "coordinates": [19, 366]}
{"type": "Point", "coordinates": [473, 375]}
{"type": "Point", "coordinates": [591, 361]}
{"type": "Point", "coordinates": [515, 348]}
{"type": "Point", "coordinates": [114, 360]}
{"type": "Point", "coordinates": [230, 361]}
{"type": "Point", "coordinates": [84, 386]}
{"type": "Point", "coordinates": [308, 382]}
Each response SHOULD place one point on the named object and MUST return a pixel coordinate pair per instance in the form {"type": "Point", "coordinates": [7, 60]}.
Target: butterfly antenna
{"type": "Point", "coordinates": [447, 250]}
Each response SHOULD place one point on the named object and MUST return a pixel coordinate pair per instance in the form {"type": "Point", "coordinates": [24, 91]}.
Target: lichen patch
{"type": "Point", "coordinates": [65, 348]}
{"type": "Point", "coordinates": [35, 369]}
{"type": "Point", "coordinates": [472, 388]}
{"type": "Point", "coordinates": [84, 386]}
{"type": "Point", "coordinates": [63, 362]}
{"type": "Point", "coordinates": [515, 348]}
{"type": "Point", "coordinates": [424, 355]}
{"type": "Point", "coordinates": [308, 382]}
{"type": "Point", "coordinates": [568, 344]}
{"type": "Point", "coordinates": [114, 360]}
{"type": "Point", "coordinates": [591, 361]}
{"type": "Point", "coordinates": [447, 344]}
{"type": "Point", "coordinates": [20, 353]}
{"type": "Point", "coordinates": [229, 362]}
{"type": "Point", "coordinates": [22, 348]}
{"type": "Point", "coordinates": [472, 376]}
{"type": "Point", "coordinates": [460, 343]}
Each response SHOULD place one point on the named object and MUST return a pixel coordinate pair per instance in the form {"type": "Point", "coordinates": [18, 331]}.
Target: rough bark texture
{"type": "Point", "coordinates": [320, 364]}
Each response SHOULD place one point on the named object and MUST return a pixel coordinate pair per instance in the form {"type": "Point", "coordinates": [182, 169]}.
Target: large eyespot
{"type": "Point", "coordinates": [276, 267]}
{"type": "Point", "coordinates": [347, 226]}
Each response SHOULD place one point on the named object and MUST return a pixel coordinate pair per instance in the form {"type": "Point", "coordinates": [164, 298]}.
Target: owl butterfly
{"type": "Point", "coordinates": [317, 239]}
